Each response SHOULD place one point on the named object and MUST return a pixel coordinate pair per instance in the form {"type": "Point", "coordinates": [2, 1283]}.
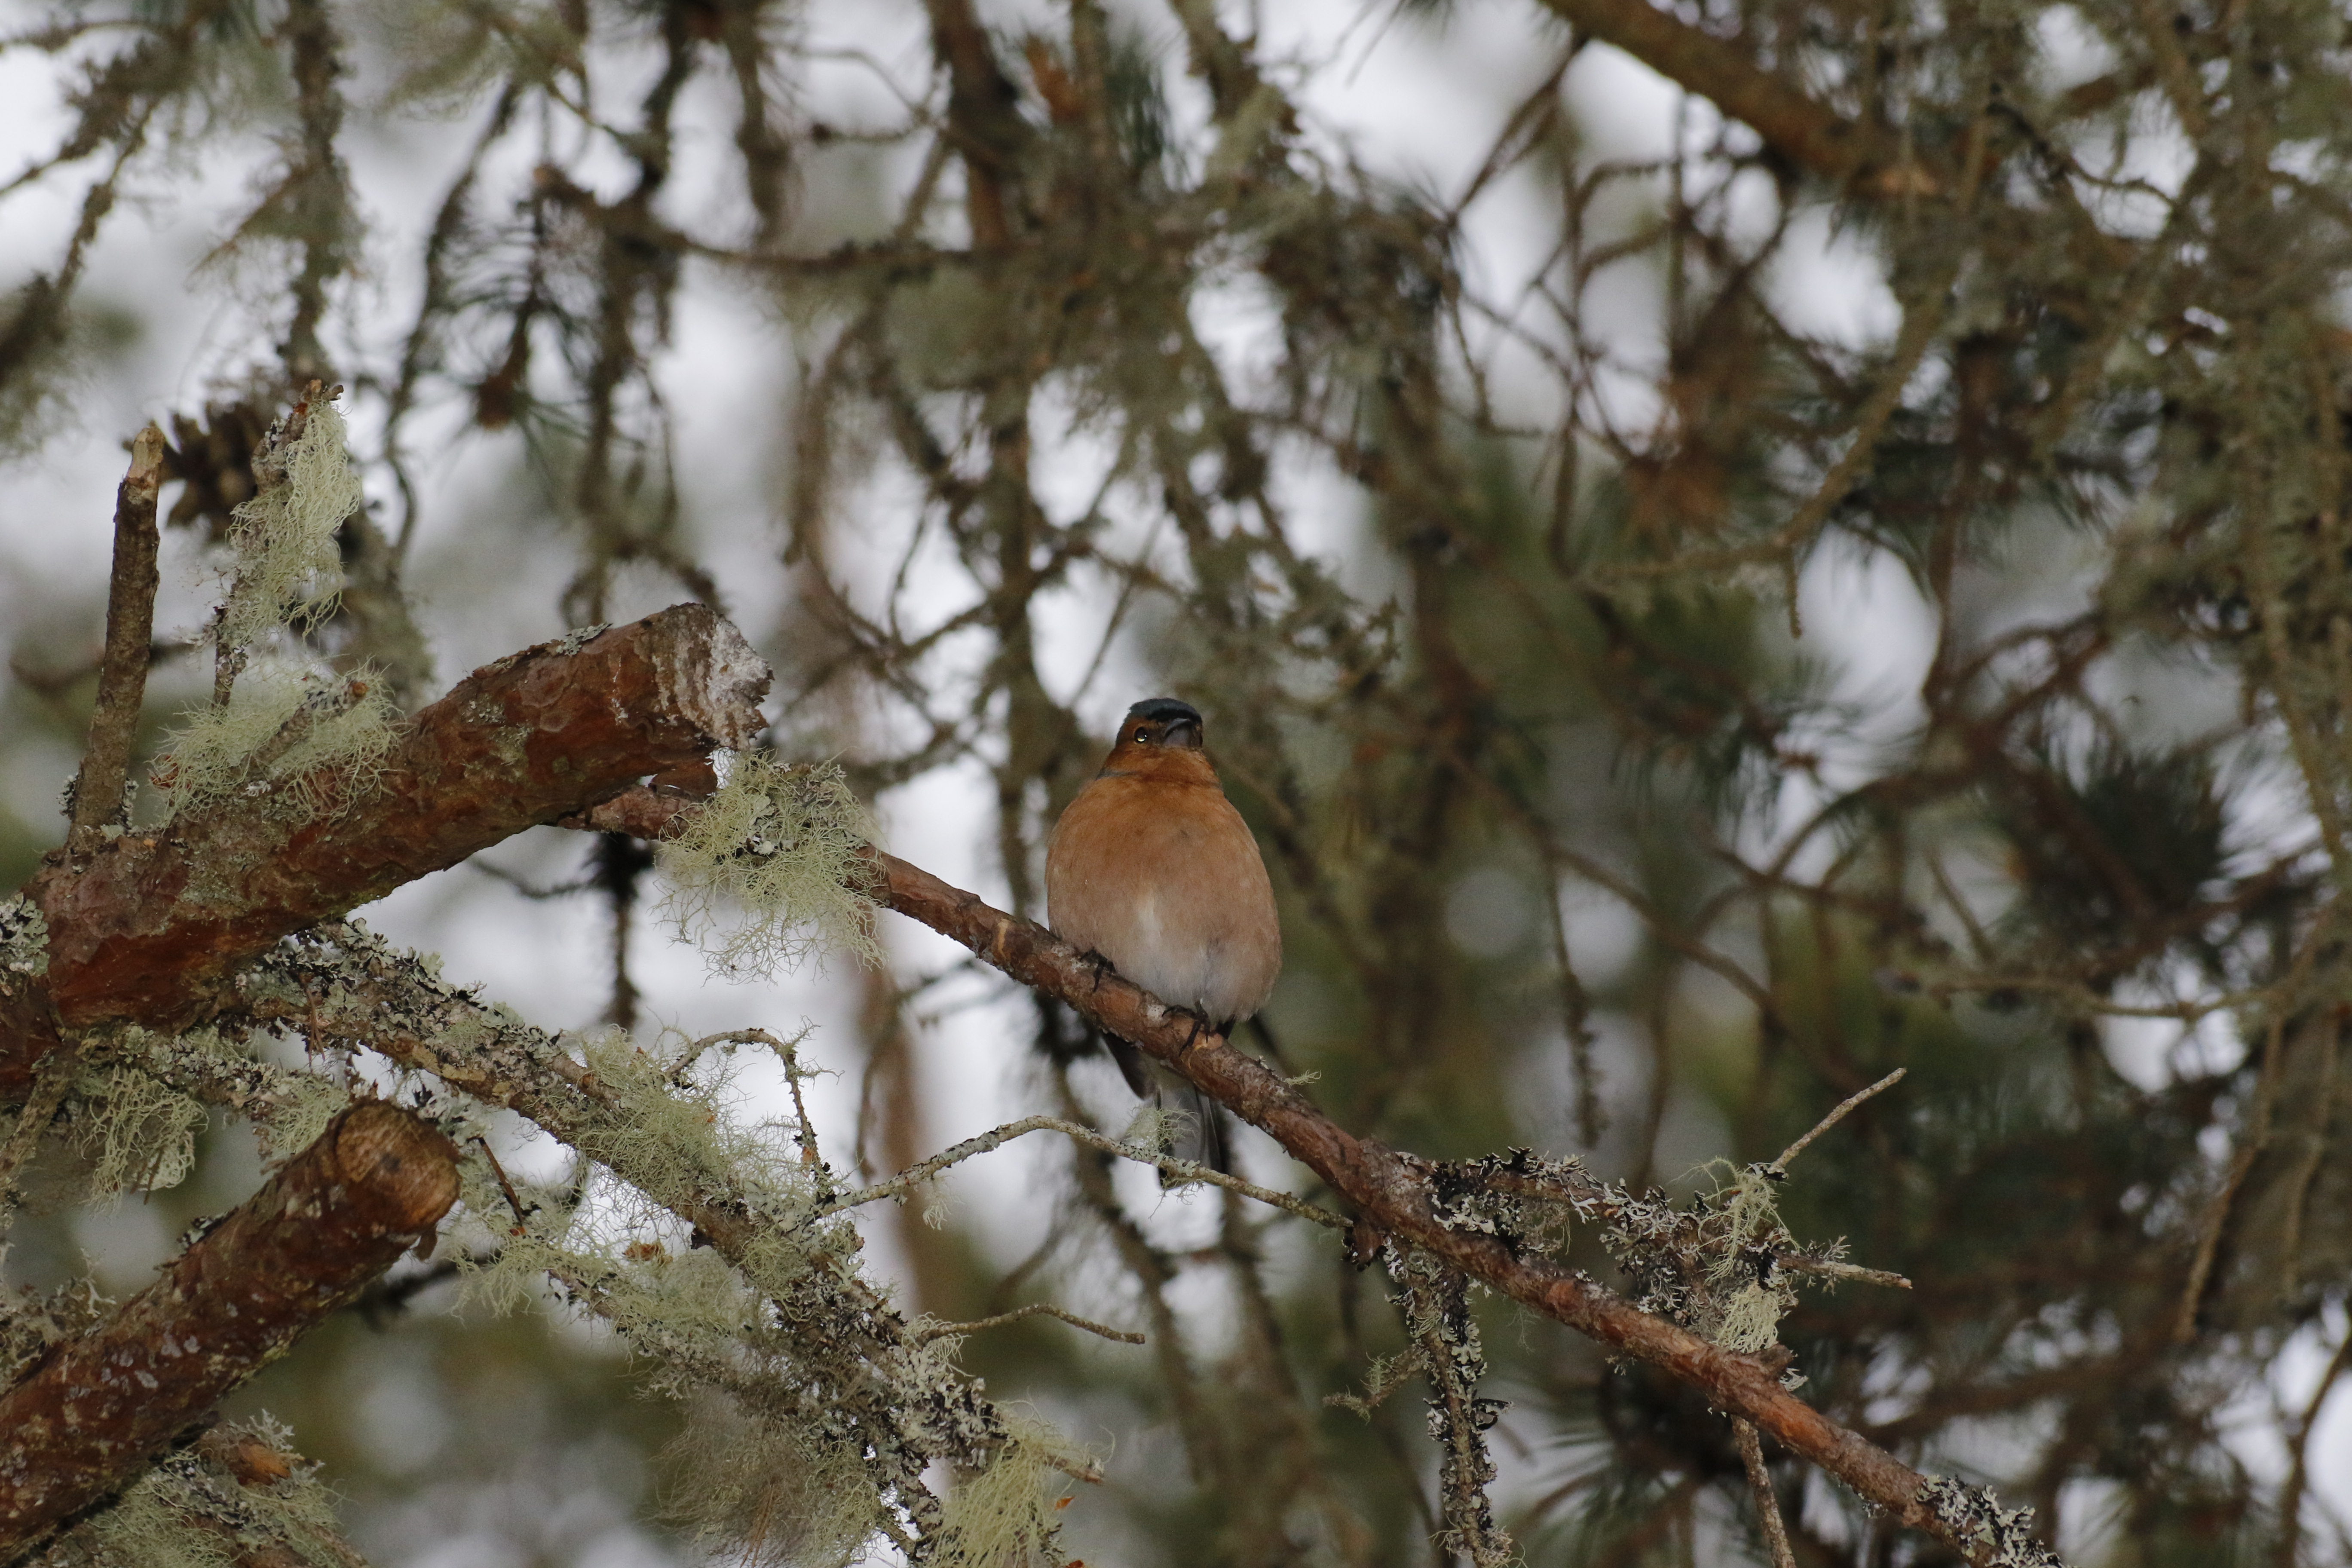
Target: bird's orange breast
{"type": "Point", "coordinates": [1162, 877]}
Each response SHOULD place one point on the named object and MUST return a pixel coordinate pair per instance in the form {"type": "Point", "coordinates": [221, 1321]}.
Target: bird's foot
{"type": "Point", "coordinates": [1098, 964]}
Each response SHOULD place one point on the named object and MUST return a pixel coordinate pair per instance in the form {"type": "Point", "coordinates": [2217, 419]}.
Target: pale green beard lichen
{"type": "Point", "coordinates": [140, 1132]}
{"type": "Point", "coordinates": [1747, 1311]}
{"type": "Point", "coordinates": [758, 1492]}
{"type": "Point", "coordinates": [782, 846]}
{"type": "Point", "coordinates": [296, 1122]}
{"type": "Point", "coordinates": [189, 1512]}
{"type": "Point", "coordinates": [301, 740]}
{"type": "Point", "coordinates": [289, 570]}
{"type": "Point", "coordinates": [281, 730]}
{"type": "Point", "coordinates": [1009, 1514]}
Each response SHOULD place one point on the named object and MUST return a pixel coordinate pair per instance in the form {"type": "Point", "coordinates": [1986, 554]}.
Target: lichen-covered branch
{"type": "Point", "coordinates": [146, 929]}
{"type": "Point", "coordinates": [97, 1410]}
{"type": "Point", "coordinates": [858, 1372]}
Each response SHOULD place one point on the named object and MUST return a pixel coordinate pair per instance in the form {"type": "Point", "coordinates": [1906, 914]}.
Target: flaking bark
{"type": "Point", "coordinates": [139, 933]}
{"type": "Point", "coordinates": [96, 1411]}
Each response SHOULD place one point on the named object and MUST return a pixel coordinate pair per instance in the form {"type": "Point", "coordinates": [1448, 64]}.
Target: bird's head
{"type": "Point", "coordinates": [1160, 738]}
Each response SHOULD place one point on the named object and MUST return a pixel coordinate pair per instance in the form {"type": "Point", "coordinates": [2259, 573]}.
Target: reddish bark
{"type": "Point", "coordinates": [142, 929]}
{"type": "Point", "coordinates": [96, 1411]}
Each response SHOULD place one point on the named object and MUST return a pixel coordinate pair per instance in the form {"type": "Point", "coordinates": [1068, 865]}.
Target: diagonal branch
{"type": "Point", "coordinates": [95, 1412]}
{"type": "Point", "coordinates": [146, 928]}
{"type": "Point", "coordinates": [1808, 135]}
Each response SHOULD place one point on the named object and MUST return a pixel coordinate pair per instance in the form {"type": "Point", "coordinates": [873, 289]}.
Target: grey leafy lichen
{"type": "Point", "coordinates": [24, 941]}
{"type": "Point", "coordinates": [1436, 1303]}
{"type": "Point", "coordinates": [1975, 1516]}
{"type": "Point", "coordinates": [1443, 1345]}
{"type": "Point", "coordinates": [1715, 1267]}
{"type": "Point", "coordinates": [31, 1321]}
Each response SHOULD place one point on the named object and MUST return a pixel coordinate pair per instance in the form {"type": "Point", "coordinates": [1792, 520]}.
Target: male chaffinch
{"type": "Point", "coordinates": [1153, 868]}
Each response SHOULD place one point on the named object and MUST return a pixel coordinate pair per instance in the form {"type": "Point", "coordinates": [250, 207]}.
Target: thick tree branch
{"type": "Point", "coordinates": [130, 631]}
{"type": "Point", "coordinates": [143, 931]}
{"type": "Point", "coordinates": [96, 1411]}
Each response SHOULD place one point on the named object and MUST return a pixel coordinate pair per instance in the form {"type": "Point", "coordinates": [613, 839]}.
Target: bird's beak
{"type": "Point", "coordinates": [1182, 733]}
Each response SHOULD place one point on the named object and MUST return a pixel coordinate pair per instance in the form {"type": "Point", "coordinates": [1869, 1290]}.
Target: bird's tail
{"type": "Point", "coordinates": [1193, 1130]}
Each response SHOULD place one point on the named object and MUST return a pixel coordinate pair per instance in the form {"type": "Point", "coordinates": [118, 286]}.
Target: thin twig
{"type": "Point", "coordinates": [1801, 1264]}
{"type": "Point", "coordinates": [130, 632]}
{"type": "Point", "coordinates": [2291, 1494]}
{"type": "Point", "coordinates": [1033, 1310]}
{"type": "Point", "coordinates": [513, 1202]}
{"type": "Point", "coordinates": [1767, 1501]}
{"type": "Point", "coordinates": [1838, 1115]}
{"type": "Point", "coordinates": [2217, 1215]}
{"type": "Point", "coordinates": [916, 1174]}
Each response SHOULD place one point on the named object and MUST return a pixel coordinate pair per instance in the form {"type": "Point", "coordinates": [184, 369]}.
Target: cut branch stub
{"type": "Point", "coordinates": [153, 918]}
{"type": "Point", "coordinates": [94, 1413]}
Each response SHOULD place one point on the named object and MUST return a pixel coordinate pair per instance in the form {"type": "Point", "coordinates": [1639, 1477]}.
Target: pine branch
{"type": "Point", "coordinates": [1395, 1195]}
{"type": "Point", "coordinates": [94, 1413]}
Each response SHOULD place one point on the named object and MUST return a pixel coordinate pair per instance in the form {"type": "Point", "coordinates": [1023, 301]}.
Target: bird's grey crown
{"type": "Point", "coordinates": [1160, 710]}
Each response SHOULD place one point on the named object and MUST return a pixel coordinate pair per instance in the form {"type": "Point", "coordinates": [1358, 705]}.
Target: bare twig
{"type": "Point", "coordinates": [914, 1176]}
{"type": "Point", "coordinates": [1767, 1501]}
{"type": "Point", "coordinates": [522, 1218]}
{"type": "Point", "coordinates": [130, 631]}
{"type": "Point", "coordinates": [1808, 134]}
{"type": "Point", "coordinates": [2298, 1476]}
{"type": "Point", "coordinates": [1033, 1310]}
{"type": "Point", "coordinates": [1799, 1263]}
{"type": "Point", "coordinates": [2217, 1215]}
{"type": "Point", "coordinates": [1837, 1115]}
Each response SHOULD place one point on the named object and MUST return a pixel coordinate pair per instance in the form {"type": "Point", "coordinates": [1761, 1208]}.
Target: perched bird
{"type": "Point", "coordinates": [1151, 869]}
